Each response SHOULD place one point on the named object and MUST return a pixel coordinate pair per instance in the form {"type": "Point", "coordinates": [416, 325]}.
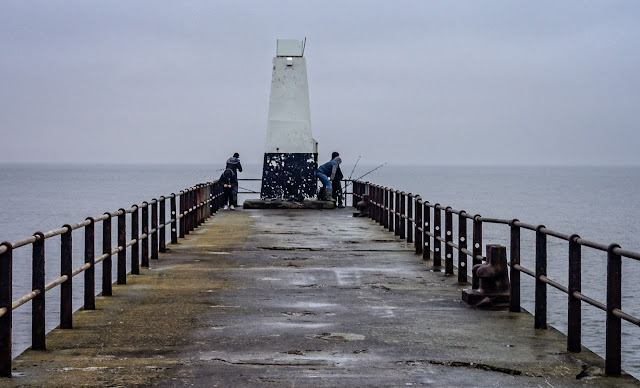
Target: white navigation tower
{"type": "Point", "coordinates": [291, 153]}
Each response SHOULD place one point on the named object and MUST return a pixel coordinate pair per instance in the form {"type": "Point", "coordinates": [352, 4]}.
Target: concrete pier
{"type": "Point", "coordinates": [313, 298]}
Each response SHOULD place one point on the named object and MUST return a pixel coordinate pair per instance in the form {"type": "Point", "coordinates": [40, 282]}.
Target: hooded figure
{"type": "Point", "coordinates": [233, 163]}
{"type": "Point", "coordinates": [229, 184]}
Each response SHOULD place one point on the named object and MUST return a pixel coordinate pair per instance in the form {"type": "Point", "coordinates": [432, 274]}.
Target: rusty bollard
{"type": "Point", "coordinates": [493, 290]}
{"type": "Point", "coordinates": [363, 207]}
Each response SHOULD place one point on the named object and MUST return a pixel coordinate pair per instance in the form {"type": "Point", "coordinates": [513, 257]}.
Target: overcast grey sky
{"type": "Point", "coordinates": [428, 82]}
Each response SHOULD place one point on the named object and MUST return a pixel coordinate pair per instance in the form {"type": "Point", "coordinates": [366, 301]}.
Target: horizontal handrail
{"type": "Point", "coordinates": [409, 215]}
{"type": "Point", "coordinates": [197, 203]}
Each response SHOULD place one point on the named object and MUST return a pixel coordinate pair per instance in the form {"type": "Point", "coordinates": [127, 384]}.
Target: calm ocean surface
{"type": "Point", "coordinates": [598, 203]}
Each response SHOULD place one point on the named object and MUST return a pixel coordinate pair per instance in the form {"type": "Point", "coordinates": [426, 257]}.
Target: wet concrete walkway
{"type": "Point", "coordinates": [300, 298]}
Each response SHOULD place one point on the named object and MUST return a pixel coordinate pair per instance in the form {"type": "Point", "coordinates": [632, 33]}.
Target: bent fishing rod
{"type": "Point", "coordinates": [240, 187]}
{"type": "Point", "coordinates": [364, 175]}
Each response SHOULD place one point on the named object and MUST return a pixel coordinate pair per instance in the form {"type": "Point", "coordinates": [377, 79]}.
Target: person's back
{"type": "Point", "coordinates": [233, 163]}
{"type": "Point", "coordinates": [327, 168]}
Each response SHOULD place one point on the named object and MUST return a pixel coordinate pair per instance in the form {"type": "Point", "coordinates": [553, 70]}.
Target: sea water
{"type": "Point", "coordinates": [598, 203]}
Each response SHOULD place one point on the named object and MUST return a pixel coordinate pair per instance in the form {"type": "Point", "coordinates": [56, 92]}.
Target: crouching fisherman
{"type": "Point", "coordinates": [327, 173]}
{"type": "Point", "coordinates": [229, 183]}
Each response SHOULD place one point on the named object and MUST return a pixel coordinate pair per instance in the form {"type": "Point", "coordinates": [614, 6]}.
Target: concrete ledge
{"type": "Point", "coordinates": [280, 204]}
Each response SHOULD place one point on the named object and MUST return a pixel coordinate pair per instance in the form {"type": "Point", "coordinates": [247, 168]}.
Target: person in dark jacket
{"type": "Point", "coordinates": [228, 180]}
{"type": "Point", "coordinates": [233, 164]}
{"type": "Point", "coordinates": [336, 187]}
{"type": "Point", "coordinates": [327, 173]}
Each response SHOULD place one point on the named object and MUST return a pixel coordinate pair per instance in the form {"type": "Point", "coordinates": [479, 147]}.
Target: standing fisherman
{"type": "Point", "coordinates": [336, 188]}
{"type": "Point", "coordinates": [233, 164]}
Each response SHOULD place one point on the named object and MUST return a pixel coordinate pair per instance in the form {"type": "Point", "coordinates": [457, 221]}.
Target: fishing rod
{"type": "Point", "coordinates": [354, 167]}
{"type": "Point", "coordinates": [240, 187]}
{"type": "Point", "coordinates": [364, 175]}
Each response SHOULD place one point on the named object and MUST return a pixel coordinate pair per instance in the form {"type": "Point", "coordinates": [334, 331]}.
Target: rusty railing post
{"type": "Point", "coordinates": [613, 352]}
{"type": "Point", "coordinates": [387, 215]}
{"type": "Point", "coordinates": [574, 313]}
{"type": "Point", "coordinates": [373, 202]}
{"type": "Point", "coordinates": [106, 263]}
{"type": "Point", "coordinates": [154, 227]}
{"type": "Point", "coordinates": [396, 213]}
{"type": "Point", "coordinates": [448, 238]}
{"type": "Point", "coordinates": [183, 207]}
{"type": "Point", "coordinates": [122, 247]}
{"type": "Point", "coordinates": [163, 229]}
{"type": "Point", "coordinates": [201, 201]}
{"type": "Point", "coordinates": [66, 288]}
{"type": "Point", "coordinates": [541, 287]}
{"type": "Point", "coordinates": [462, 244]}
{"type": "Point", "coordinates": [135, 235]}
{"type": "Point", "coordinates": [354, 187]}
{"type": "Point", "coordinates": [207, 198]}
{"type": "Point", "coordinates": [514, 275]}
{"type": "Point", "coordinates": [196, 206]}
{"type": "Point", "coordinates": [187, 206]}
{"type": "Point", "coordinates": [477, 249]}
{"type": "Point", "coordinates": [410, 220]}
{"type": "Point", "coordinates": [198, 202]}
{"type": "Point", "coordinates": [384, 206]}
{"type": "Point", "coordinates": [426, 228]}
{"type": "Point", "coordinates": [174, 223]}
{"type": "Point", "coordinates": [6, 299]}
{"type": "Point", "coordinates": [145, 234]}
{"type": "Point", "coordinates": [378, 204]}
{"type": "Point", "coordinates": [418, 226]}
{"type": "Point", "coordinates": [191, 205]}
{"type": "Point", "coordinates": [212, 199]}
{"type": "Point", "coordinates": [402, 217]}
{"type": "Point", "coordinates": [89, 273]}
{"type": "Point", "coordinates": [38, 302]}
{"type": "Point", "coordinates": [437, 233]}
{"type": "Point", "coordinates": [371, 195]}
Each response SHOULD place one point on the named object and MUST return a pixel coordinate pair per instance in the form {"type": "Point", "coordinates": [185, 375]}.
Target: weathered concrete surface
{"type": "Point", "coordinates": [300, 298]}
{"type": "Point", "coordinates": [280, 204]}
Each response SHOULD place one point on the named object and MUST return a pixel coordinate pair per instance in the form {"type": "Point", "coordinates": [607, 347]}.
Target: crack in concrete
{"type": "Point", "coordinates": [291, 249]}
{"type": "Point", "coordinates": [467, 364]}
{"type": "Point", "coordinates": [274, 363]}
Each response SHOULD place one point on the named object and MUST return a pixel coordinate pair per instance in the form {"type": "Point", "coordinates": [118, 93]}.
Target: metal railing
{"type": "Point", "coordinates": [347, 186]}
{"type": "Point", "coordinates": [196, 204]}
{"type": "Point", "coordinates": [420, 222]}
